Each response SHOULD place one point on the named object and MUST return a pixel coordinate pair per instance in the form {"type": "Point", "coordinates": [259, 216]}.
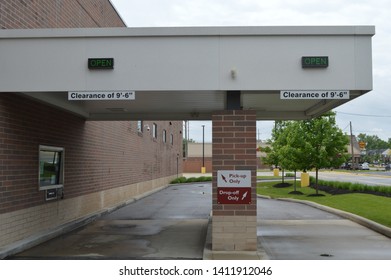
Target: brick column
{"type": "Point", "coordinates": [234, 226]}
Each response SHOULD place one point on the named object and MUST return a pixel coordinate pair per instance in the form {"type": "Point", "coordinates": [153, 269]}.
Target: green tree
{"type": "Point", "coordinates": [273, 156]}
{"type": "Point", "coordinates": [325, 143]}
{"type": "Point", "coordinates": [304, 145]}
{"type": "Point", "coordinates": [292, 154]}
{"type": "Point", "coordinates": [373, 142]}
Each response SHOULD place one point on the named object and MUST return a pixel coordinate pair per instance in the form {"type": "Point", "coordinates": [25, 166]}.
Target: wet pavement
{"type": "Point", "coordinates": [170, 224]}
{"type": "Point", "coordinates": [173, 224]}
{"type": "Point", "coordinates": [293, 231]}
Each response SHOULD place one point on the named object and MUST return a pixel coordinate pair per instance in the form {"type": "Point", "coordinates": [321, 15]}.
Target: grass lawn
{"type": "Point", "coordinates": [375, 208]}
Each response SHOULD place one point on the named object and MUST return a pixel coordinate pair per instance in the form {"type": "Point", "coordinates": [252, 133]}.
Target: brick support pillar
{"type": "Point", "coordinates": [234, 225]}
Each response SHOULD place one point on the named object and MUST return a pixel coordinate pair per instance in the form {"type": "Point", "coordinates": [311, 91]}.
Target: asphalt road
{"type": "Point", "coordinates": [372, 178]}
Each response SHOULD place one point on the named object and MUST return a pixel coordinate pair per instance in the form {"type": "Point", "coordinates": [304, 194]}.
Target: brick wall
{"type": "Point", "coordinates": [194, 164]}
{"type": "Point", "coordinates": [106, 163]}
{"type": "Point", "coordinates": [98, 155]}
{"type": "Point", "coordinates": [234, 148]}
{"type": "Point", "coordinates": [58, 14]}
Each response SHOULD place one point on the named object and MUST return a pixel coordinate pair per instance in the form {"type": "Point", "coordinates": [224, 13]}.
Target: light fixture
{"type": "Point", "coordinates": [233, 73]}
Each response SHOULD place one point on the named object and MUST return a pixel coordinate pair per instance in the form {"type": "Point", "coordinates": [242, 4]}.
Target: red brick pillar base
{"type": "Point", "coordinates": [234, 225]}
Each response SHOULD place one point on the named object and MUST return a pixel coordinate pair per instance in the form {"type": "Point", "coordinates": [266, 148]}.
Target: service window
{"type": "Point", "coordinates": [154, 130]}
{"type": "Point", "coordinates": [172, 139]}
{"type": "Point", "coordinates": [164, 136]}
{"type": "Point", "coordinates": [140, 126]}
{"type": "Point", "coordinates": [51, 167]}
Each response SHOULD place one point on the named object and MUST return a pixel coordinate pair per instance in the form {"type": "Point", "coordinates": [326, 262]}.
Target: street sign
{"type": "Point", "coordinates": [234, 195]}
{"type": "Point", "coordinates": [234, 178]}
{"type": "Point", "coordinates": [234, 187]}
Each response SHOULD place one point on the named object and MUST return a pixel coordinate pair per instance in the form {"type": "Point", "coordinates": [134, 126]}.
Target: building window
{"type": "Point", "coordinates": [140, 126]}
{"type": "Point", "coordinates": [154, 131]}
{"type": "Point", "coordinates": [164, 136]}
{"type": "Point", "coordinates": [51, 167]}
{"type": "Point", "coordinates": [172, 139]}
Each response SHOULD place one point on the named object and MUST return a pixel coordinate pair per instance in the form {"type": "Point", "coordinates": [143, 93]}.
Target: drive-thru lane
{"type": "Point", "coordinates": [169, 224]}
{"type": "Point", "coordinates": [172, 224]}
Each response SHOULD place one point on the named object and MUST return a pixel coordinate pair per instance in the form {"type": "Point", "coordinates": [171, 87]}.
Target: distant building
{"type": "Point", "coordinates": [386, 155]}
{"type": "Point", "coordinates": [192, 163]}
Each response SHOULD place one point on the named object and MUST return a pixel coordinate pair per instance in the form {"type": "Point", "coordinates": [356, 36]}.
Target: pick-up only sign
{"type": "Point", "coordinates": [234, 187]}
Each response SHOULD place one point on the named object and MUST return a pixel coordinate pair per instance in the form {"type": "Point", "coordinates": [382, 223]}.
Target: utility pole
{"type": "Point", "coordinates": [186, 141]}
{"type": "Point", "coordinates": [351, 146]}
{"type": "Point", "coordinates": [203, 150]}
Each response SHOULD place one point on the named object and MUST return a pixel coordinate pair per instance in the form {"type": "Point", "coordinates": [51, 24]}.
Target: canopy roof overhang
{"type": "Point", "coordinates": [184, 73]}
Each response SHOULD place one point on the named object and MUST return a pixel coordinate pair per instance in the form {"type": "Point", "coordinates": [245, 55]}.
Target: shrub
{"type": "Point", "coordinates": [178, 180]}
{"type": "Point", "coordinates": [192, 179]}
{"type": "Point", "coordinates": [205, 179]}
{"type": "Point", "coordinates": [182, 180]}
{"type": "Point", "coordinates": [354, 187]}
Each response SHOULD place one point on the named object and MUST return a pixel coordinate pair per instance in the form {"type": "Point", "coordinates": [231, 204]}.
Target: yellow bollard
{"type": "Point", "coordinates": [203, 170]}
{"type": "Point", "coordinates": [305, 179]}
{"type": "Point", "coordinates": [276, 172]}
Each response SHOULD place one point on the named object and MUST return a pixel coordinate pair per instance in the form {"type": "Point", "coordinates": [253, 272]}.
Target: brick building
{"type": "Point", "coordinates": [104, 164]}
{"type": "Point", "coordinates": [225, 74]}
{"type": "Point", "coordinates": [197, 153]}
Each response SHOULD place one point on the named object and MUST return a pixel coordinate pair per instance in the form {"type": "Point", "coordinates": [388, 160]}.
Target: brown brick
{"type": "Point", "coordinates": [234, 118]}
{"type": "Point", "coordinates": [246, 213]}
{"type": "Point", "coordinates": [223, 146]}
{"type": "Point", "coordinates": [223, 134]}
{"type": "Point", "coordinates": [98, 155]}
{"type": "Point", "coordinates": [223, 213]}
{"type": "Point", "coordinates": [55, 14]}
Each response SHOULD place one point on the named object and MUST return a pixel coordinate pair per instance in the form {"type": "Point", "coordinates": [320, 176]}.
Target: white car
{"type": "Point", "coordinates": [365, 166]}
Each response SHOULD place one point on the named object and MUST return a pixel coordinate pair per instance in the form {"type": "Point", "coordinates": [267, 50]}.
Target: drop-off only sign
{"type": "Point", "coordinates": [234, 187]}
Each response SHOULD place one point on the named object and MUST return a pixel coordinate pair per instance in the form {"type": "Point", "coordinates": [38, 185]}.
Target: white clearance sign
{"type": "Point", "coordinates": [314, 94]}
{"type": "Point", "coordinates": [101, 95]}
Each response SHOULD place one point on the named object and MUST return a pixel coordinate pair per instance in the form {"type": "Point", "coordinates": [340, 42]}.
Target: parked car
{"type": "Point", "coordinates": [387, 167]}
{"type": "Point", "coordinates": [365, 166]}
{"type": "Point", "coordinates": [346, 166]}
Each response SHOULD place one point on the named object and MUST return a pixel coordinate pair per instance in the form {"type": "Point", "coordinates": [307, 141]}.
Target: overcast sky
{"type": "Point", "coordinates": [370, 114]}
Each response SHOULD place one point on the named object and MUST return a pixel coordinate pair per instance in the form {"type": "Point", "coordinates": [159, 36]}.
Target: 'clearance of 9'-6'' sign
{"type": "Point", "coordinates": [234, 187]}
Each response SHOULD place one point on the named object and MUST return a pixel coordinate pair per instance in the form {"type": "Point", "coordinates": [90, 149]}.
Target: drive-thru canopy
{"type": "Point", "coordinates": [189, 72]}
{"type": "Point", "coordinates": [232, 75]}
